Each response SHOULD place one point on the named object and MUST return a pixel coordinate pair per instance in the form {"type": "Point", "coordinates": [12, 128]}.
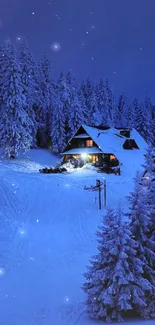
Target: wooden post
{"type": "Point", "coordinates": [105, 194]}
{"type": "Point", "coordinates": [98, 184]}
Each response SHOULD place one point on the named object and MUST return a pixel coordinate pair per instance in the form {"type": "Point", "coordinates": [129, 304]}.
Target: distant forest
{"type": "Point", "coordinates": [37, 110]}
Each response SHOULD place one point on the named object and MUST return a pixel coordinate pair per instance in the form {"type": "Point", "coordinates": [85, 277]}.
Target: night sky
{"type": "Point", "coordinates": [109, 38]}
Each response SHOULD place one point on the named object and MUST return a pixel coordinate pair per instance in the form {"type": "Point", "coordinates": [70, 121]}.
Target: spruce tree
{"type": "Point", "coordinates": [74, 106]}
{"type": "Point", "coordinates": [58, 126]}
{"type": "Point", "coordinates": [49, 96]}
{"type": "Point", "coordinates": [102, 101]}
{"type": "Point", "coordinates": [83, 99]}
{"type": "Point", "coordinates": [94, 114]}
{"type": "Point", "coordinates": [141, 120]}
{"type": "Point", "coordinates": [140, 227]}
{"type": "Point", "coordinates": [28, 68]}
{"type": "Point", "coordinates": [64, 94]}
{"type": "Point", "coordinates": [110, 103]}
{"type": "Point", "coordinates": [119, 120]}
{"type": "Point", "coordinates": [40, 107]}
{"type": "Point", "coordinates": [15, 124]}
{"type": "Point", "coordinates": [75, 113]}
{"type": "Point", "coordinates": [114, 281]}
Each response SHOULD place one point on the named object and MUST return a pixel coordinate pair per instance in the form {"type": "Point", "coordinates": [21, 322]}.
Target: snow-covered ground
{"type": "Point", "coordinates": [47, 232]}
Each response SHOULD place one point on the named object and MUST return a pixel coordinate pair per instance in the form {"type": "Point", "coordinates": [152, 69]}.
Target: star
{"type": "Point", "coordinates": [141, 49]}
{"type": "Point", "coordinates": [56, 15]}
{"type": "Point", "coordinates": [55, 46]}
{"type": "Point", "coordinates": [33, 13]}
{"type": "Point", "coordinates": [87, 32]}
{"type": "Point", "coordinates": [18, 38]}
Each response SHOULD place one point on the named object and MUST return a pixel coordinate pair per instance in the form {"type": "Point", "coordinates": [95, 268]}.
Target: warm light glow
{"type": "Point", "coordinates": [84, 155]}
{"type": "Point", "coordinates": [89, 143]}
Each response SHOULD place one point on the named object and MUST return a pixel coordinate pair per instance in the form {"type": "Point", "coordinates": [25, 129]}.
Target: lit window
{"type": "Point", "coordinates": [89, 143]}
{"type": "Point", "coordinates": [112, 157]}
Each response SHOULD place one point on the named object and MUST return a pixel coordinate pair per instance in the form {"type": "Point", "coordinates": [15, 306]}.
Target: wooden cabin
{"type": "Point", "coordinates": [101, 145]}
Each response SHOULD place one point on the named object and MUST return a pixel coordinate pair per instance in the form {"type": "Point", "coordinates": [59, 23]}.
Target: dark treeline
{"type": "Point", "coordinates": [37, 110]}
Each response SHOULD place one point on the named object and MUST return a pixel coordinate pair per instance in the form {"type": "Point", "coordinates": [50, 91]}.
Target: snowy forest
{"type": "Point", "coordinates": [120, 280]}
{"type": "Point", "coordinates": [37, 110]}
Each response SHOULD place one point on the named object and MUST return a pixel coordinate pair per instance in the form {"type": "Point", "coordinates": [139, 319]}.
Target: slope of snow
{"type": "Point", "coordinates": [47, 231]}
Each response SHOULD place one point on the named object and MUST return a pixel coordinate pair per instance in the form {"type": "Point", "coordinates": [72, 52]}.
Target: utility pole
{"type": "Point", "coordinates": [98, 184]}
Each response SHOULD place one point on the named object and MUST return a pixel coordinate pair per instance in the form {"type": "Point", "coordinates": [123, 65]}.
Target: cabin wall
{"type": "Point", "coordinates": [80, 143]}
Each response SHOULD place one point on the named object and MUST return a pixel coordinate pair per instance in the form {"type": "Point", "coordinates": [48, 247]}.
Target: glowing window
{"type": "Point", "coordinates": [112, 157]}
{"type": "Point", "coordinates": [89, 143]}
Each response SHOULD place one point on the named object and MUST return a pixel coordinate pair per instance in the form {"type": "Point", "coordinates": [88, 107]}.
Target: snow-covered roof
{"type": "Point", "coordinates": [83, 135]}
{"type": "Point", "coordinates": [79, 151]}
{"type": "Point", "coordinates": [110, 141]}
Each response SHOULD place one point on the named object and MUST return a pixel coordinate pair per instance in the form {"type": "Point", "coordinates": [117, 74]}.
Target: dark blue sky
{"type": "Point", "coordinates": [109, 38]}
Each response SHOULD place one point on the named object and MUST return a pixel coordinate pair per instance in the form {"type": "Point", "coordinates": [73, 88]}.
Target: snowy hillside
{"type": "Point", "coordinates": [47, 232]}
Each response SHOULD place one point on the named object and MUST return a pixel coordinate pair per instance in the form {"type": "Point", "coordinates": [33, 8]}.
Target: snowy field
{"type": "Point", "coordinates": [47, 232]}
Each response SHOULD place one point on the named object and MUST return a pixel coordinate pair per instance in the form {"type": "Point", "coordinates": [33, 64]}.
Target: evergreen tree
{"type": "Point", "coordinates": [28, 67]}
{"type": "Point", "coordinates": [150, 122]}
{"type": "Point", "coordinates": [110, 102]}
{"type": "Point", "coordinates": [75, 107]}
{"type": "Point", "coordinates": [140, 228]}
{"type": "Point", "coordinates": [114, 281]}
{"type": "Point", "coordinates": [58, 126]}
{"type": "Point", "coordinates": [75, 112]}
{"type": "Point", "coordinates": [40, 107]}
{"type": "Point", "coordinates": [83, 100]}
{"type": "Point", "coordinates": [94, 114]}
{"type": "Point", "coordinates": [49, 96]}
{"type": "Point", "coordinates": [64, 91]}
{"type": "Point", "coordinates": [102, 101]}
{"type": "Point", "coordinates": [141, 120]}
{"type": "Point", "coordinates": [149, 167]}
{"type": "Point", "coordinates": [15, 128]}
{"type": "Point", "coordinates": [120, 112]}
{"type": "Point", "coordinates": [123, 116]}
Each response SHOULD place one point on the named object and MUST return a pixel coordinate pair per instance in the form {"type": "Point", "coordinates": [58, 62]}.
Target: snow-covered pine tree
{"type": "Point", "coordinates": [94, 114]}
{"type": "Point", "coordinates": [140, 226]}
{"type": "Point", "coordinates": [64, 91]}
{"type": "Point", "coordinates": [49, 96]}
{"type": "Point", "coordinates": [28, 71]}
{"type": "Point", "coordinates": [83, 99]}
{"type": "Point", "coordinates": [110, 103]}
{"type": "Point", "coordinates": [141, 120]}
{"type": "Point", "coordinates": [149, 183]}
{"type": "Point", "coordinates": [74, 106]}
{"type": "Point", "coordinates": [114, 281]}
{"type": "Point", "coordinates": [58, 126]}
{"type": "Point", "coordinates": [102, 102]}
{"type": "Point", "coordinates": [123, 112]}
{"type": "Point", "coordinates": [75, 112]}
{"type": "Point", "coordinates": [15, 131]}
{"type": "Point", "coordinates": [40, 106]}
{"type": "Point", "coordinates": [150, 132]}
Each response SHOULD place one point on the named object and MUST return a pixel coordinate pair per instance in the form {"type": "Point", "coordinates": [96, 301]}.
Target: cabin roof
{"type": "Point", "coordinates": [79, 151]}
{"type": "Point", "coordinates": [108, 141]}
